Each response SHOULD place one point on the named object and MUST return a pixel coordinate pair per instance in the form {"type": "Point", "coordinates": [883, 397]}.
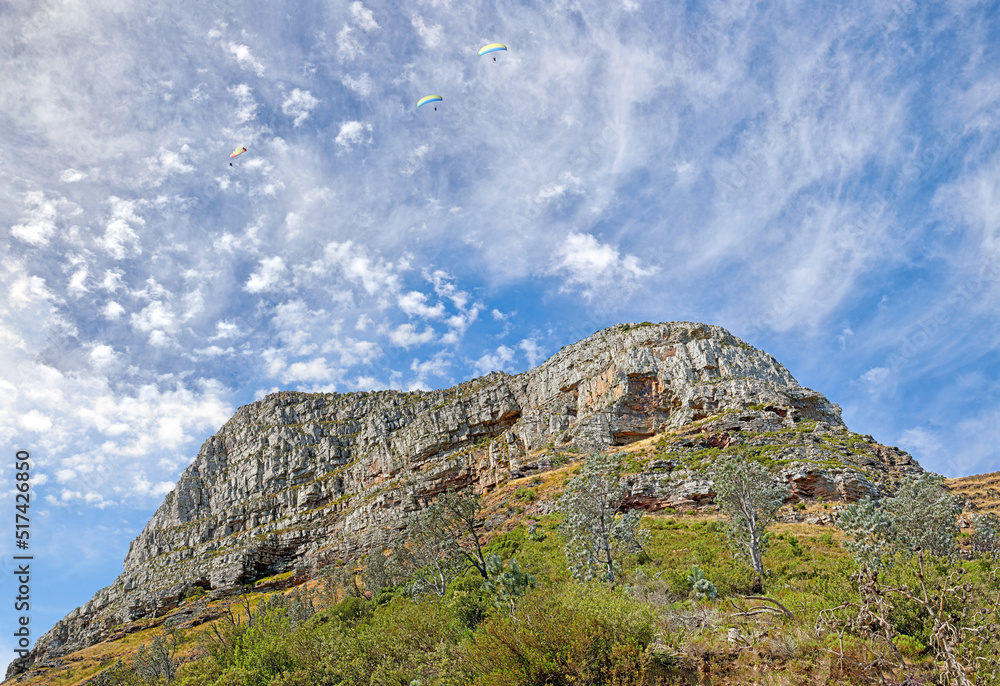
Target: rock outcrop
{"type": "Point", "coordinates": [298, 480]}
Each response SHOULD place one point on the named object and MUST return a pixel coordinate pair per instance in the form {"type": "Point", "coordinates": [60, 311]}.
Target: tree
{"type": "Point", "coordinates": [920, 517]}
{"type": "Point", "coordinates": [597, 537]}
{"type": "Point", "coordinates": [985, 539]}
{"type": "Point", "coordinates": [441, 543]}
{"type": "Point", "coordinates": [749, 496]}
{"type": "Point", "coordinates": [450, 523]}
{"type": "Point", "coordinates": [923, 515]}
{"type": "Point", "coordinates": [430, 559]}
{"type": "Point", "coordinates": [870, 530]}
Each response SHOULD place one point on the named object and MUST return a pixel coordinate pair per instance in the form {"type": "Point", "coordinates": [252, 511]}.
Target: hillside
{"type": "Point", "coordinates": [298, 481]}
{"type": "Point", "coordinates": [982, 491]}
{"type": "Point", "coordinates": [695, 642]}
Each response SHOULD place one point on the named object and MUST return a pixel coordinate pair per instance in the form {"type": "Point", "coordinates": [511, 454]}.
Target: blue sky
{"type": "Point", "coordinates": [823, 182]}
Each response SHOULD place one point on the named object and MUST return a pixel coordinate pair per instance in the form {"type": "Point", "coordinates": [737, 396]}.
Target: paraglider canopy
{"type": "Point", "coordinates": [429, 98]}
{"type": "Point", "coordinates": [236, 153]}
{"type": "Point", "coordinates": [492, 47]}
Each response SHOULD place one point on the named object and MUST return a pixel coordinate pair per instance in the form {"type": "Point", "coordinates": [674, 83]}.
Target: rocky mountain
{"type": "Point", "coordinates": [297, 481]}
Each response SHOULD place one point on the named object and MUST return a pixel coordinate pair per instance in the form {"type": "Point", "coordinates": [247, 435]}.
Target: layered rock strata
{"type": "Point", "coordinates": [298, 480]}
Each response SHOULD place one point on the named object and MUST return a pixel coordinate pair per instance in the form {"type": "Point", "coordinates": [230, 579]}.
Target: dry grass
{"type": "Point", "coordinates": [982, 489]}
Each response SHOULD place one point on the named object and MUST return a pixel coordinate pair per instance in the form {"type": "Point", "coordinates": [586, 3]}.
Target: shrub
{"type": "Point", "coordinates": [506, 585]}
{"type": "Point", "coordinates": [909, 646]}
{"type": "Point", "coordinates": [402, 641]}
{"type": "Point", "coordinates": [525, 495]}
{"type": "Point", "coordinates": [701, 588]}
{"type": "Point", "coordinates": [348, 610]}
{"type": "Point", "coordinates": [506, 545]}
{"type": "Point", "coordinates": [586, 634]}
{"type": "Point", "coordinates": [468, 600]}
{"type": "Point", "coordinates": [194, 592]}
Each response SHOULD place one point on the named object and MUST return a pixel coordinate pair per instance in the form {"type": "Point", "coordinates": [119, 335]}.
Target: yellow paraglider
{"type": "Point", "coordinates": [236, 153]}
{"type": "Point", "coordinates": [429, 98]}
{"type": "Point", "coordinates": [492, 47]}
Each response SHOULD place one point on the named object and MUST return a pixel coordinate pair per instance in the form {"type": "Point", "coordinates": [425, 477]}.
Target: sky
{"type": "Point", "coordinates": [822, 180]}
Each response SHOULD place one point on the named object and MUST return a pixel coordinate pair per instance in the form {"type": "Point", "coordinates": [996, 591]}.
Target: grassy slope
{"type": "Point", "coordinates": [982, 489]}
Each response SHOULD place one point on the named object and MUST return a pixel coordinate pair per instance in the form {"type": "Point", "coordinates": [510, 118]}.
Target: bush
{"type": "Point", "coordinates": [701, 588]}
{"type": "Point", "coordinates": [525, 495]}
{"type": "Point", "coordinates": [506, 545]}
{"type": "Point", "coordinates": [468, 600]}
{"type": "Point", "coordinates": [908, 646]}
{"type": "Point", "coordinates": [194, 592]}
{"type": "Point", "coordinates": [587, 634]}
{"type": "Point", "coordinates": [348, 610]}
{"type": "Point", "coordinates": [402, 641]}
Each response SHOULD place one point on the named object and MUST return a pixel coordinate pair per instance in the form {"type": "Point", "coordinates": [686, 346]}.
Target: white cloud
{"type": "Point", "coordinates": [432, 36]}
{"type": "Point", "coordinates": [120, 238]}
{"type": "Point", "coordinates": [315, 370]}
{"type": "Point", "coordinates": [267, 277]}
{"type": "Point", "coordinates": [406, 336]}
{"type": "Point", "coordinates": [352, 133]}
{"type": "Point", "coordinates": [72, 176]}
{"type": "Point", "coordinates": [102, 356]}
{"type": "Point", "coordinates": [213, 351]}
{"type": "Point", "coordinates": [157, 315]}
{"type": "Point", "coordinates": [415, 304]}
{"type": "Point", "coordinates": [246, 106]}
{"type": "Point", "coordinates": [113, 311]}
{"type": "Point", "coordinates": [437, 366]}
{"type": "Point", "coordinates": [353, 262]}
{"type": "Point", "coordinates": [415, 159]}
{"type": "Point", "coordinates": [77, 283]}
{"type": "Point", "coordinates": [299, 104]}
{"type": "Point", "coordinates": [364, 18]}
{"type": "Point", "coordinates": [553, 192]}
{"type": "Point", "coordinates": [224, 330]}
{"type": "Point", "coordinates": [39, 220]}
{"type": "Point", "coordinates": [498, 360]}
{"type": "Point", "coordinates": [112, 280]}
{"type": "Point", "coordinates": [28, 290]}
{"type": "Point", "coordinates": [875, 379]}
{"type": "Point", "coordinates": [589, 264]}
{"type": "Point", "coordinates": [532, 351]}
{"type": "Point", "coordinates": [363, 85]}
{"type": "Point", "coordinates": [33, 420]}
{"type": "Point", "coordinates": [142, 487]}
{"type": "Point", "coordinates": [245, 58]}
{"type": "Point", "coordinates": [348, 46]}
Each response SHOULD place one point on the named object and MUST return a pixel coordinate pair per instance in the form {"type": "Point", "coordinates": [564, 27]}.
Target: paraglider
{"type": "Point", "coordinates": [429, 98]}
{"type": "Point", "coordinates": [236, 153]}
{"type": "Point", "coordinates": [492, 47]}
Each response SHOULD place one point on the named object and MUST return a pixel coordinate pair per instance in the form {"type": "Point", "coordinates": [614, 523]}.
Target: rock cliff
{"type": "Point", "coordinates": [298, 480]}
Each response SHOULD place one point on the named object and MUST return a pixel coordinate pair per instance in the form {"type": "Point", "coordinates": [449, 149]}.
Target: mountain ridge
{"type": "Point", "coordinates": [296, 481]}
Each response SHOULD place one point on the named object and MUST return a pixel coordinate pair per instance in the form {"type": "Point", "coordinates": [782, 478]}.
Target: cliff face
{"type": "Point", "coordinates": [298, 480]}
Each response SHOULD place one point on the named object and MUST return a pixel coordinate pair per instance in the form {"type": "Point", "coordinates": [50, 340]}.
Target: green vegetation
{"type": "Point", "coordinates": [597, 538]}
{"type": "Point", "coordinates": [749, 497]}
{"type": "Point", "coordinates": [680, 611]}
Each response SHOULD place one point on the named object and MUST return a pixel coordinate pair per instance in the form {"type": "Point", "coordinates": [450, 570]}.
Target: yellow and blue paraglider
{"type": "Point", "coordinates": [429, 98]}
{"type": "Point", "coordinates": [492, 47]}
{"type": "Point", "coordinates": [236, 153]}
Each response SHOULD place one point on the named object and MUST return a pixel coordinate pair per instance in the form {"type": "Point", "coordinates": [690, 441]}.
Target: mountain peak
{"type": "Point", "coordinates": [296, 481]}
